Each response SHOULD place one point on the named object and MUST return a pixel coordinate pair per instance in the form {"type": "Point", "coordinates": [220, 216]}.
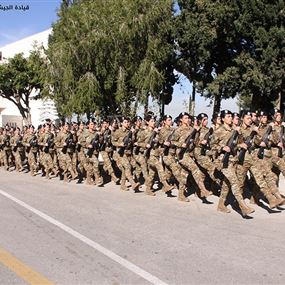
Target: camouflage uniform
{"type": "Point", "coordinates": [153, 162]}
{"type": "Point", "coordinates": [17, 151]}
{"type": "Point", "coordinates": [229, 178]}
{"type": "Point", "coordinates": [188, 161]}
{"type": "Point", "coordinates": [169, 160]}
{"type": "Point", "coordinates": [106, 151]}
{"type": "Point", "coordinates": [30, 144]}
{"type": "Point", "coordinates": [123, 161]}
{"type": "Point", "coordinates": [46, 157]}
{"type": "Point", "coordinates": [253, 165]}
{"type": "Point", "coordinates": [91, 163]}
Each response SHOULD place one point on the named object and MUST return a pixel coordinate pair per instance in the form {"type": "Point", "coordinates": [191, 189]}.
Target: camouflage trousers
{"type": "Point", "coordinates": [7, 158]}
{"type": "Point", "coordinates": [141, 167]}
{"type": "Point", "coordinates": [175, 169]}
{"type": "Point", "coordinates": [188, 163]}
{"type": "Point", "coordinates": [154, 165]}
{"type": "Point", "coordinates": [18, 160]}
{"type": "Point", "coordinates": [32, 161]}
{"type": "Point", "coordinates": [107, 162]}
{"type": "Point", "coordinates": [91, 166]}
{"type": "Point", "coordinates": [231, 182]}
{"type": "Point", "coordinates": [65, 162]}
{"type": "Point", "coordinates": [47, 161]}
{"type": "Point", "coordinates": [253, 165]}
{"type": "Point", "coordinates": [124, 164]}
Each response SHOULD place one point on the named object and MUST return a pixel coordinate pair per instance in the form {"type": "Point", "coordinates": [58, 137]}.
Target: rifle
{"type": "Point", "coordinates": [49, 143]}
{"type": "Point", "coordinates": [106, 140]}
{"type": "Point", "coordinates": [94, 143]}
{"type": "Point", "coordinates": [68, 143]}
{"type": "Point", "coordinates": [189, 140]}
{"type": "Point", "coordinates": [167, 147]}
{"type": "Point", "coordinates": [281, 139]}
{"type": "Point", "coordinates": [207, 137]}
{"type": "Point", "coordinates": [265, 139]}
{"type": "Point", "coordinates": [151, 141]}
{"type": "Point", "coordinates": [18, 143]}
{"type": "Point", "coordinates": [248, 142]}
{"type": "Point", "coordinates": [32, 143]}
{"type": "Point", "coordinates": [231, 144]}
{"type": "Point", "coordinates": [126, 141]}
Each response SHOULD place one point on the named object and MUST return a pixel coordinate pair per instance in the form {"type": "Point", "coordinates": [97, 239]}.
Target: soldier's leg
{"type": "Point", "coordinates": [96, 171]}
{"type": "Point", "coordinates": [230, 174]}
{"type": "Point", "coordinates": [189, 164]}
{"type": "Point", "coordinates": [125, 160]}
{"type": "Point", "coordinates": [108, 166]}
{"type": "Point", "coordinates": [156, 164]}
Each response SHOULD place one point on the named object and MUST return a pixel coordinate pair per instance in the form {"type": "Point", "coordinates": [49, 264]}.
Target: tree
{"type": "Point", "coordinates": [19, 77]}
{"type": "Point", "coordinates": [229, 48]}
{"type": "Point", "coordinates": [110, 56]}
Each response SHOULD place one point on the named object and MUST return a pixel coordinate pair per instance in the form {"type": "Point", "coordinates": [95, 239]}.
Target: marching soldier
{"type": "Point", "coordinates": [91, 164]}
{"type": "Point", "coordinates": [122, 140]}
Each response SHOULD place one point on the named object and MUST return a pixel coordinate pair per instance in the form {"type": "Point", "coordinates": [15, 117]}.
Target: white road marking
{"type": "Point", "coordinates": [125, 263]}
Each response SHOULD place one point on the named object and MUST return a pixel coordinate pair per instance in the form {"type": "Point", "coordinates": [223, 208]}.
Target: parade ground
{"type": "Point", "coordinates": [64, 233]}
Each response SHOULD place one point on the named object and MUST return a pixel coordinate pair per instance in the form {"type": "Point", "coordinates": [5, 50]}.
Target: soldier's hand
{"type": "Point", "coordinates": [184, 145]}
{"type": "Point", "coordinates": [243, 145]}
{"type": "Point", "coordinates": [280, 144]}
{"type": "Point", "coordinates": [167, 143]}
{"type": "Point", "coordinates": [90, 146]}
{"type": "Point", "coordinates": [65, 144]}
{"type": "Point", "coordinates": [46, 144]}
{"type": "Point", "coordinates": [226, 149]}
{"type": "Point", "coordinates": [135, 143]}
{"type": "Point", "coordinates": [263, 144]}
{"type": "Point", "coordinates": [204, 142]}
{"type": "Point", "coordinates": [148, 145]}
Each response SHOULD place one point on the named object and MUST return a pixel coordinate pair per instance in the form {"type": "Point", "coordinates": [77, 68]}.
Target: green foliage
{"type": "Point", "coordinates": [103, 54]}
{"type": "Point", "coordinates": [232, 48]}
{"type": "Point", "coordinates": [19, 76]}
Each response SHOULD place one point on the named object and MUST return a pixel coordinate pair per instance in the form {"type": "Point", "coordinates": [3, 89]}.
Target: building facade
{"type": "Point", "coordinates": [40, 109]}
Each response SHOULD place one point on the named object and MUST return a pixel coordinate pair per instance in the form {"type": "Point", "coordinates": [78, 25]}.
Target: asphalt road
{"type": "Point", "coordinates": [77, 234]}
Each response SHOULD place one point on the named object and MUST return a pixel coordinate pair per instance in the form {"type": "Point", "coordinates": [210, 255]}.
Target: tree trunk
{"type": "Point", "coordinates": [146, 104]}
{"type": "Point", "coordinates": [192, 98]}
{"type": "Point", "coordinates": [217, 104]}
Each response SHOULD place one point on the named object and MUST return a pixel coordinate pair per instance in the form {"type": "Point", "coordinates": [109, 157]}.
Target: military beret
{"type": "Point", "coordinates": [148, 117]}
{"type": "Point", "coordinates": [165, 117]}
{"type": "Point", "coordinates": [263, 113]}
{"type": "Point", "coordinates": [245, 113]}
{"type": "Point", "coordinates": [224, 113]}
{"type": "Point", "coordinates": [183, 114]}
{"type": "Point", "coordinates": [202, 116]}
{"type": "Point", "coordinates": [137, 118]}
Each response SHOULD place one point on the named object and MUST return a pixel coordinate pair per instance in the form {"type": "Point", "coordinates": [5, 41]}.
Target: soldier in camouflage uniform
{"type": "Point", "coordinates": [17, 149]}
{"type": "Point", "coordinates": [122, 155]}
{"type": "Point", "coordinates": [106, 149]}
{"type": "Point", "coordinates": [169, 156]}
{"type": "Point", "coordinates": [202, 151]}
{"type": "Point", "coordinates": [153, 160]}
{"type": "Point", "coordinates": [91, 163]}
{"type": "Point", "coordinates": [251, 162]}
{"type": "Point", "coordinates": [187, 160]}
{"type": "Point", "coordinates": [46, 141]}
{"type": "Point", "coordinates": [31, 147]}
{"type": "Point", "coordinates": [81, 142]}
{"type": "Point", "coordinates": [220, 146]}
{"type": "Point", "coordinates": [6, 148]}
{"type": "Point", "coordinates": [64, 143]}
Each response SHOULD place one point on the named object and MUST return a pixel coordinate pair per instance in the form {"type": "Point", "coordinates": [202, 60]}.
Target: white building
{"type": "Point", "coordinates": [40, 110]}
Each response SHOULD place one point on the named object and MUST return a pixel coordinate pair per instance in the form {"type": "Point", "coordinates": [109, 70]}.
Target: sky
{"type": "Point", "coordinates": [17, 23]}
